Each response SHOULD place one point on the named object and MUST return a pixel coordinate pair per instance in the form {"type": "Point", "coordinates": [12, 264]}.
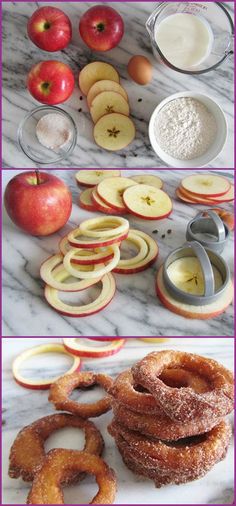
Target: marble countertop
{"type": "Point", "coordinates": [135, 309]}
{"type": "Point", "coordinates": [19, 55]}
{"type": "Point", "coordinates": [22, 406]}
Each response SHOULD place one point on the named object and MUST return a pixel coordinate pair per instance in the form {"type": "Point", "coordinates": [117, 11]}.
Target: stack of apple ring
{"type": "Point", "coordinates": [169, 414]}
{"type": "Point", "coordinates": [89, 253]}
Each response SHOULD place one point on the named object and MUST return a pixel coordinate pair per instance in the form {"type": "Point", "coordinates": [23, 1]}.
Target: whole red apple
{"type": "Point", "coordinates": [101, 28]}
{"type": "Point", "coordinates": [50, 29]}
{"type": "Point", "coordinates": [38, 202]}
{"type": "Point", "coordinates": [51, 82]}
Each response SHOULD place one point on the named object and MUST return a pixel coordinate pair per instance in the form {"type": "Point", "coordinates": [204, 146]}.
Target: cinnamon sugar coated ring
{"type": "Point", "coordinates": [46, 488]}
{"type": "Point", "coordinates": [184, 404]}
{"type": "Point", "coordinates": [27, 452]}
{"type": "Point", "coordinates": [61, 390]}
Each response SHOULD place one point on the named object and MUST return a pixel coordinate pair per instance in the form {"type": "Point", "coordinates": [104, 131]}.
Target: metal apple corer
{"type": "Point", "coordinates": [208, 229]}
{"type": "Point", "coordinates": [208, 260]}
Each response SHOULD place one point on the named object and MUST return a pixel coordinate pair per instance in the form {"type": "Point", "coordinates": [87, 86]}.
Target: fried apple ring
{"type": "Point", "coordinates": [46, 488]}
{"type": "Point", "coordinates": [160, 426]}
{"type": "Point", "coordinates": [62, 388]}
{"type": "Point", "coordinates": [27, 452]}
{"type": "Point", "coordinates": [184, 404]}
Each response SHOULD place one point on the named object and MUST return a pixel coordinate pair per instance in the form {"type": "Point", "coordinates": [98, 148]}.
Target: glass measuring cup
{"type": "Point", "coordinates": [214, 14]}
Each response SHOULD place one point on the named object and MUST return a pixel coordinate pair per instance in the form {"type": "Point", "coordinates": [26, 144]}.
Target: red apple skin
{"type": "Point", "coordinates": [51, 82]}
{"type": "Point", "coordinates": [101, 28]}
{"type": "Point", "coordinates": [97, 244]}
{"type": "Point", "coordinates": [133, 270]}
{"type": "Point", "coordinates": [50, 29]}
{"type": "Point", "coordinates": [106, 210]}
{"type": "Point", "coordinates": [39, 209]}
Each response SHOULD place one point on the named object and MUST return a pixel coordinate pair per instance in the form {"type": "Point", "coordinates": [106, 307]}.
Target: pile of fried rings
{"type": "Point", "coordinates": [169, 414]}
{"type": "Point", "coordinates": [168, 425]}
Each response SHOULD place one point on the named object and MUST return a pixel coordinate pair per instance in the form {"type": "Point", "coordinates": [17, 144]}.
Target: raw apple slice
{"type": "Point", "coordinates": [114, 131]}
{"type": "Point", "coordinates": [79, 272]}
{"type": "Point", "coordinates": [85, 201]}
{"type": "Point", "coordinates": [105, 85]}
{"type": "Point", "coordinates": [187, 197]}
{"type": "Point", "coordinates": [148, 260]}
{"type": "Point", "coordinates": [91, 178]}
{"type": "Point", "coordinates": [86, 257]}
{"type": "Point", "coordinates": [189, 311]}
{"type": "Point", "coordinates": [75, 240]}
{"type": "Point", "coordinates": [53, 267]}
{"type": "Point", "coordinates": [96, 71]}
{"type": "Point", "coordinates": [142, 250]}
{"type": "Point", "coordinates": [186, 274]}
{"type": "Point", "coordinates": [111, 191]}
{"type": "Point", "coordinates": [147, 202]}
{"type": "Point", "coordinates": [81, 350]}
{"type": "Point", "coordinates": [206, 185]}
{"type": "Point", "coordinates": [102, 206]}
{"type": "Point", "coordinates": [104, 227]}
{"type": "Point", "coordinates": [227, 197]}
{"type": "Point", "coordinates": [108, 102]}
{"type": "Point", "coordinates": [105, 297]}
{"type": "Point", "coordinates": [148, 179]}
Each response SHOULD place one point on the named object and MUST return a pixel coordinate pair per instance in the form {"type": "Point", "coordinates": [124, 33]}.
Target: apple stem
{"type": "Point", "coordinates": [37, 176]}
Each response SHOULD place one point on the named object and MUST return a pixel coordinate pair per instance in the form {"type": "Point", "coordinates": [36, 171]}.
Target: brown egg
{"type": "Point", "coordinates": [140, 69]}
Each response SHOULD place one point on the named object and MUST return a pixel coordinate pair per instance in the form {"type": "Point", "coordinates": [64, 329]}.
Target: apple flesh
{"type": "Point", "coordinates": [102, 206]}
{"type": "Point", "coordinates": [108, 102]}
{"type": "Point", "coordinates": [114, 131]}
{"type": "Point", "coordinates": [101, 28]}
{"type": "Point", "coordinates": [111, 191]}
{"type": "Point", "coordinates": [205, 185]}
{"type": "Point", "coordinates": [105, 85]}
{"type": "Point", "coordinates": [91, 178]}
{"type": "Point", "coordinates": [147, 202]}
{"type": "Point", "coordinates": [96, 71]}
{"type": "Point", "coordinates": [85, 200]}
{"type": "Point", "coordinates": [50, 82]}
{"type": "Point", "coordinates": [38, 202]}
{"type": "Point", "coordinates": [50, 29]}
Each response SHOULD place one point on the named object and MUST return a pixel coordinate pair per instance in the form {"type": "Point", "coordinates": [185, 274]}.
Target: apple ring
{"type": "Point", "coordinates": [143, 250]}
{"type": "Point", "coordinates": [46, 488]}
{"type": "Point", "coordinates": [184, 404]}
{"type": "Point", "coordinates": [64, 386]}
{"type": "Point", "coordinates": [27, 464]}
{"type": "Point", "coordinates": [104, 298]}
{"type": "Point", "coordinates": [93, 243]}
{"type": "Point", "coordinates": [71, 344]}
{"type": "Point", "coordinates": [52, 268]}
{"type": "Point", "coordinates": [146, 262]}
{"type": "Point", "coordinates": [116, 224]}
{"type": "Point", "coordinates": [86, 257]}
{"type": "Point", "coordinates": [100, 269]}
{"type": "Point", "coordinates": [41, 384]}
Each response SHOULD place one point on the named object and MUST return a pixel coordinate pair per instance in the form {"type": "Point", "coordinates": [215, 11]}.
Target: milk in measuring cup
{"type": "Point", "coordinates": [184, 39]}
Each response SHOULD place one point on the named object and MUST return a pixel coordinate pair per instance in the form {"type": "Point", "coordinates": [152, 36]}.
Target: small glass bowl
{"type": "Point", "coordinates": [30, 144]}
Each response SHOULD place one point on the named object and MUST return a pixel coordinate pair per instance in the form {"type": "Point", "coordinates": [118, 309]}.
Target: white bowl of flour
{"type": "Point", "coordinates": [188, 130]}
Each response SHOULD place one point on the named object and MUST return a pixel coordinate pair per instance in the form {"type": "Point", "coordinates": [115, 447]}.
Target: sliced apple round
{"type": "Point", "coordinates": [189, 311]}
{"type": "Point", "coordinates": [91, 178]}
{"type": "Point", "coordinates": [206, 185]}
{"type": "Point", "coordinates": [146, 262]}
{"type": "Point", "coordinates": [148, 179]}
{"type": "Point", "coordinates": [108, 102]}
{"type": "Point", "coordinates": [82, 350]}
{"type": "Point", "coordinates": [104, 298]}
{"type": "Point", "coordinates": [105, 85]}
{"type": "Point", "coordinates": [102, 206]}
{"type": "Point", "coordinates": [96, 71]}
{"type": "Point", "coordinates": [85, 200]}
{"type": "Point", "coordinates": [86, 257]}
{"type": "Point", "coordinates": [102, 269]}
{"type": "Point", "coordinates": [147, 202]}
{"type": "Point", "coordinates": [187, 275]}
{"type": "Point", "coordinates": [111, 191]}
{"type": "Point", "coordinates": [114, 131]}
{"type": "Point", "coordinates": [104, 227]}
{"type": "Point", "coordinates": [52, 268]}
{"type": "Point", "coordinates": [227, 197]}
{"type": "Point", "coordinates": [185, 196]}
{"type": "Point", "coordinates": [75, 238]}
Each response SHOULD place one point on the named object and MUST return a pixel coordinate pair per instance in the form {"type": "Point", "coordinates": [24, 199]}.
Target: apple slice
{"type": "Point", "coordinates": [105, 297]}
{"type": "Point", "coordinates": [108, 102]}
{"type": "Point", "coordinates": [75, 240]}
{"type": "Point", "coordinates": [186, 274]}
{"type": "Point", "coordinates": [147, 202]}
{"type": "Point", "coordinates": [102, 206]}
{"type": "Point", "coordinates": [186, 196]}
{"type": "Point", "coordinates": [79, 272]}
{"type": "Point", "coordinates": [111, 191]}
{"type": "Point", "coordinates": [78, 349]}
{"type": "Point", "coordinates": [104, 227]}
{"type": "Point", "coordinates": [85, 200]}
{"type": "Point", "coordinates": [105, 85]}
{"type": "Point", "coordinates": [114, 131]}
{"type": "Point", "coordinates": [148, 179]}
{"type": "Point", "coordinates": [189, 311]}
{"type": "Point", "coordinates": [96, 71]}
{"type": "Point", "coordinates": [148, 260]}
{"type": "Point", "coordinates": [206, 185]}
{"type": "Point", "coordinates": [90, 178]}
{"type": "Point", "coordinates": [142, 250]}
{"type": "Point", "coordinates": [52, 268]}
{"type": "Point", "coordinates": [86, 257]}
{"type": "Point", "coordinates": [227, 197]}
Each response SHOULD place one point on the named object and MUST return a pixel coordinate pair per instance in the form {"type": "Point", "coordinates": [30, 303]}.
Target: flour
{"type": "Point", "coordinates": [185, 128]}
{"type": "Point", "coordinates": [53, 131]}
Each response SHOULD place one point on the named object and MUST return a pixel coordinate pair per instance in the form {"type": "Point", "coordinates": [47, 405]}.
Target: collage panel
{"type": "Point", "coordinates": [156, 428]}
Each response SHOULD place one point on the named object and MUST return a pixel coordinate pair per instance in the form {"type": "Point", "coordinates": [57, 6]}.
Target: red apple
{"type": "Point", "coordinates": [38, 202]}
{"type": "Point", "coordinates": [50, 82]}
{"type": "Point", "coordinates": [50, 29]}
{"type": "Point", "coordinates": [101, 28]}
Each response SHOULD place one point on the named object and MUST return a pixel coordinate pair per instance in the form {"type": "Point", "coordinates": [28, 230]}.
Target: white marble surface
{"type": "Point", "coordinates": [22, 406]}
{"type": "Point", "coordinates": [20, 54]}
{"type": "Point", "coordinates": [135, 309]}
